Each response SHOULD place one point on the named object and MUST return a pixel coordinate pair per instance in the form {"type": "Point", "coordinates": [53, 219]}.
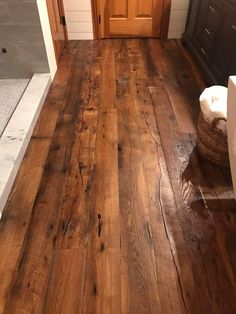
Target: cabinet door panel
{"type": "Point", "coordinates": [211, 36]}
{"type": "Point", "coordinates": [232, 68]}
{"type": "Point", "coordinates": [225, 46]}
{"type": "Point", "coordinates": [203, 8]}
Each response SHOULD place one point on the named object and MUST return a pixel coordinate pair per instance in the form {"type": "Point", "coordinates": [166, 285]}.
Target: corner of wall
{"type": "Point", "coordinates": [47, 35]}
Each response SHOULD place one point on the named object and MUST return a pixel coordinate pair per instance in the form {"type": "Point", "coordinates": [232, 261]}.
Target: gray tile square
{"type": "Point", "coordinates": [12, 54]}
{"type": "Point", "coordinates": [21, 70]}
{"type": "Point", "coordinates": [21, 33]}
{"type": "Point", "coordinates": [23, 12]}
{"type": "Point", "coordinates": [33, 53]}
{"type": "Point", "coordinates": [4, 14]}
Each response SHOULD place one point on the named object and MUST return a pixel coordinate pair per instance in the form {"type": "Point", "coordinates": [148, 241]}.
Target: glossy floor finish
{"type": "Point", "coordinates": [112, 210]}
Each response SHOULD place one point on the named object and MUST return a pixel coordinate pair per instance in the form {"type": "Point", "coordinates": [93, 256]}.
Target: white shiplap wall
{"type": "Point", "coordinates": [178, 16]}
{"type": "Point", "coordinates": [79, 19]}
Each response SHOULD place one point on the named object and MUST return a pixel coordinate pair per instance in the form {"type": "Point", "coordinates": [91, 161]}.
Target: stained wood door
{"type": "Point", "coordinates": [130, 18]}
{"type": "Point", "coordinates": [58, 27]}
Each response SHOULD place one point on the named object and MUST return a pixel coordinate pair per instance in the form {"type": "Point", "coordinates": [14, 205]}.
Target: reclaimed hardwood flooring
{"type": "Point", "coordinates": [112, 210]}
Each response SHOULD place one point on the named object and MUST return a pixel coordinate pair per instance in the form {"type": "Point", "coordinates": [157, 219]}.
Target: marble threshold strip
{"type": "Point", "coordinates": [16, 136]}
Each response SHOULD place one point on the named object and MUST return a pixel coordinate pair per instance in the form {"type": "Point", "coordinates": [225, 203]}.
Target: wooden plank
{"type": "Point", "coordinates": [165, 227]}
{"type": "Point", "coordinates": [28, 286]}
{"type": "Point", "coordinates": [176, 82]}
{"type": "Point", "coordinates": [102, 276]}
{"type": "Point", "coordinates": [191, 192]}
{"type": "Point", "coordinates": [185, 77]}
{"type": "Point", "coordinates": [75, 221]}
{"type": "Point", "coordinates": [168, 242]}
{"type": "Point", "coordinates": [16, 217]}
{"type": "Point", "coordinates": [144, 237]}
{"type": "Point", "coordinates": [65, 291]}
{"type": "Point", "coordinates": [193, 66]}
{"type": "Point", "coordinates": [138, 263]}
{"type": "Point", "coordinates": [102, 282]}
{"type": "Point", "coordinates": [113, 211]}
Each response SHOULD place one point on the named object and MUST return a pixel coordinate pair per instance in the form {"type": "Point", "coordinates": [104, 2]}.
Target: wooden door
{"type": "Point", "coordinates": [58, 27]}
{"type": "Point", "coordinates": [130, 18]}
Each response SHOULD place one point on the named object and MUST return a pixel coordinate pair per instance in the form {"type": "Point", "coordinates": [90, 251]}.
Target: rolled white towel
{"type": "Point", "coordinates": [213, 102]}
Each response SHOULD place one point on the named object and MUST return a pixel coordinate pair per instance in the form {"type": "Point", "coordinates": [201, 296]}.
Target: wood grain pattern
{"type": "Point", "coordinates": [17, 215]}
{"type": "Point", "coordinates": [113, 211]}
{"type": "Point", "coordinates": [130, 18]}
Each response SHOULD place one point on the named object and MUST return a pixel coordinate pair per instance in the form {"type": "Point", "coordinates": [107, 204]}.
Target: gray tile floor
{"type": "Point", "coordinates": [10, 94]}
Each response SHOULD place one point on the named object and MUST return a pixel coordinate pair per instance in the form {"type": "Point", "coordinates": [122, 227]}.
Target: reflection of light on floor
{"type": "Point", "coordinates": [194, 192]}
{"type": "Point", "coordinates": [203, 198]}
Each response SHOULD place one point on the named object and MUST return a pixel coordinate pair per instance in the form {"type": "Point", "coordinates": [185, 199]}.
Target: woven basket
{"type": "Point", "coordinates": [212, 142]}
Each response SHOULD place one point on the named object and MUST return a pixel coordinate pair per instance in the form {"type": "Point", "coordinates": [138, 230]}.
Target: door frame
{"type": "Point", "coordinates": [63, 17]}
{"type": "Point", "coordinates": [62, 21]}
{"type": "Point", "coordinates": [165, 20]}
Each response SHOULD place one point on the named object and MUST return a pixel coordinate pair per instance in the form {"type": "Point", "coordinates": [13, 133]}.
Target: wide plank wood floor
{"type": "Point", "coordinates": [113, 211]}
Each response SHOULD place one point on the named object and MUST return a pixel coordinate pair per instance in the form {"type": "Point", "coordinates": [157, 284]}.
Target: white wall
{"type": "Point", "coordinates": [178, 16]}
{"type": "Point", "coordinates": [47, 35]}
{"type": "Point", "coordinates": [79, 19]}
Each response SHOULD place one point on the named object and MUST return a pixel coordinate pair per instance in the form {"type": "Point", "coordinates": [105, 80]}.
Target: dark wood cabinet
{"type": "Point", "coordinates": [211, 36]}
{"type": "Point", "coordinates": [200, 21]}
